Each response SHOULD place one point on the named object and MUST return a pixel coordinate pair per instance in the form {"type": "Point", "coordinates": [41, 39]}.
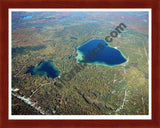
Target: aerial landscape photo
{"type": "Point", "coordinates": [79, 62]}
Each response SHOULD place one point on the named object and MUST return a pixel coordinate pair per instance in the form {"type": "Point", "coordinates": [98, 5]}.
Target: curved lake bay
{"type": "Point", "coordinates": [99, 53]}
{"type": "Point", "coordinates": [44, 68]}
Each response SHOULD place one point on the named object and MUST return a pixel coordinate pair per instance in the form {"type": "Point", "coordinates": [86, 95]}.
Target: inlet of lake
{"type": "Point", "coordinates": [98, 52]}
{"type": "Point", "coordinates": [44, 68]}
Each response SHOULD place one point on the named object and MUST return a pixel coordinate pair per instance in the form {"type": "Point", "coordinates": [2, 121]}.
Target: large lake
{"type": "Point", "coordinates": [98, 52]}
{"type": "Point", "coordinates": [44, 68]}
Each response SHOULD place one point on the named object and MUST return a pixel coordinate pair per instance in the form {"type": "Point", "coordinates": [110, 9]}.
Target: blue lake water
{"type": "Point", "coordinates": [44, 68]}
{"type": "Point", "coordinates": [27, 17]}
{"type": "Point", "coordinates": [94, 20]}
{"type": "Point", "coordinates": [98, 52]}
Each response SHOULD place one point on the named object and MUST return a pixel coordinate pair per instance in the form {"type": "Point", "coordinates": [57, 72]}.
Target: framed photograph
{"type": "Point", "coordinates": [66, 65]}
{"type": "Point", "coordinates": [85, 65]}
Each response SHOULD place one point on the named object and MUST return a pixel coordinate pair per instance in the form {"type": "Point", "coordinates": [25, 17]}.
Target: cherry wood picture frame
{"type": "Point", "coordinates": [94, 4]}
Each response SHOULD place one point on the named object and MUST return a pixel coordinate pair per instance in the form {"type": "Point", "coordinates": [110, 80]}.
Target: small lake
{"type": "Point", "coordinates": [74, 38]}
{"type": "Point", "coordinates": [94, 20]}
{"type": "Point", "coordinates": [98, 52]}
{"type": "Point", "coordinates": [44, 68]}
{"type": "Point", "coordinates": [27, 17]}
